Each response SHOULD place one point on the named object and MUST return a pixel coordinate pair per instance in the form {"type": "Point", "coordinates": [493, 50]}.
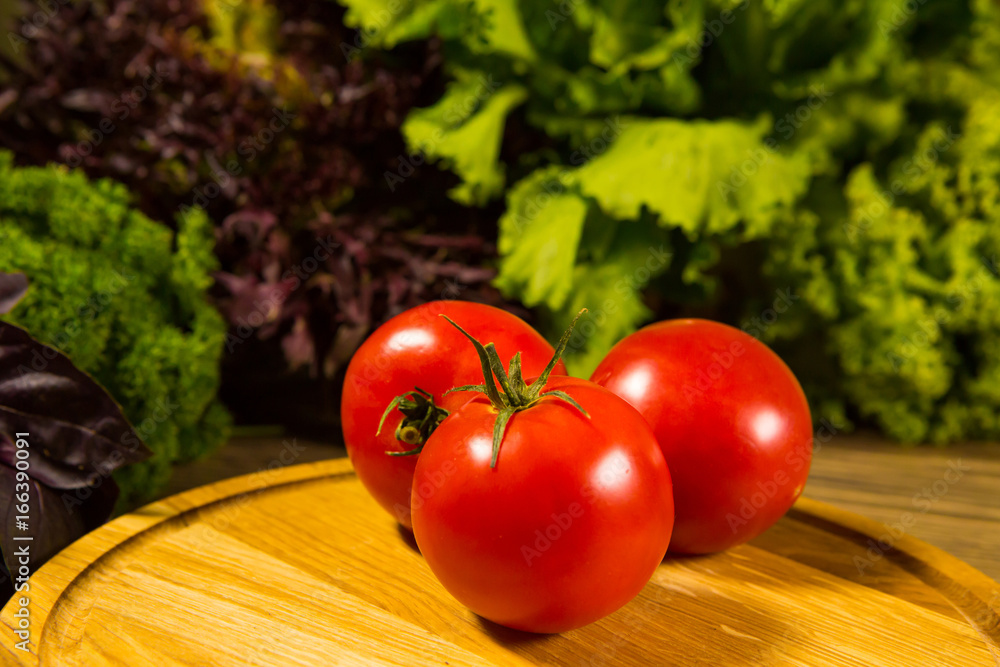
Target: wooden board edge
{"type": "Point", "coordinates": [49, 582]}
{"type": "Point", "coordinates": [974, 594]}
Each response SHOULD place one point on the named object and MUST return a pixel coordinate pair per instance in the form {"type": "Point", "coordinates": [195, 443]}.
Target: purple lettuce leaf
{"type": "Point", "coordinates": [55, 518]}
{"type": "Point", "coordinates": [77, 430]}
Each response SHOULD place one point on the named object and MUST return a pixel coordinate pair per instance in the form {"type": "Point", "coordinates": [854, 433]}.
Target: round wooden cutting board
{"type": "Point", "coordinates": [300, 567]}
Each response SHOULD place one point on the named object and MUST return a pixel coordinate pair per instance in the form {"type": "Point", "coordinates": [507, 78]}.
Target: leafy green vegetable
{"type": "Point", "coordinates": [124, 298]}
{"type": "Point", "coordinates": [845, 155]}
{"type": "Point", "coordinates": [540, 238]}
{"type": "Point", "coordinates": [690, 174]}
{"type": "Point", "coordinates": [472, 113]}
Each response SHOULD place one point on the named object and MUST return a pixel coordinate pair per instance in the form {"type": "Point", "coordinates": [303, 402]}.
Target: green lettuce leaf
{"type": "Point", "coordinates": [698, 176]}
{"type": "Point", "coordinates": [560, 252]}
{"type": "Point", "coordinates": [463, 131]}
{"type": "Point", "coordinates": [539, 239]}
{"type": "Point", "coordinates": [481, 25]}
{"type": "Point", "coordinates": [611, 286]}
{"type": "Point", "coordinates": [389, 22]}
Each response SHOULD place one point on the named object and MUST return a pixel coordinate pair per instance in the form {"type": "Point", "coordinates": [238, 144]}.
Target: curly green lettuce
{"type": "Point", "coordinates": [125, 298]}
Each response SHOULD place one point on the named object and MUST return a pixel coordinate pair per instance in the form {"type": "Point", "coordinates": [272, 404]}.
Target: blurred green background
{"type": "Point", "coordinates": [823, 175]}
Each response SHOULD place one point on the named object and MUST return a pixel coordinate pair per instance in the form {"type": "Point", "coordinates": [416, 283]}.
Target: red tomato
{"type": "Point", "coordinates": [419, 348]}
{"type": "Point", "coordinates": [731, 419]}
{"type": "Point", "coordinates": [569, 525]}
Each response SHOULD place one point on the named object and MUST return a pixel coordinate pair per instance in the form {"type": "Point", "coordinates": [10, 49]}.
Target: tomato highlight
{"type": "Point", "coordinates": [731, 419]}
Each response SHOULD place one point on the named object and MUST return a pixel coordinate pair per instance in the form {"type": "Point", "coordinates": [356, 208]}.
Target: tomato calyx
{"type": "Point", "coordinates": [420, 417]}
{"type": "Point", "coordinates": [516, 394]}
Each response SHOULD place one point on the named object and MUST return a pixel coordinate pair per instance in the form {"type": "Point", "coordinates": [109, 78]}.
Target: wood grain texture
{"type": "Point", "coordinates": [884, 481]}
{"type": "Point", "coordinates": [863, 473]}
{"type": "Point", "coordinates": [298, 566]}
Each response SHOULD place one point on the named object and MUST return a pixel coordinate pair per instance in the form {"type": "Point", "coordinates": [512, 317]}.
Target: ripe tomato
{"type": "Point", "coordinates": [566, 528]}
{"type": "Point", "coordinates": [419, 349]}
{"type": "Point", "coordinates": [731, 419]}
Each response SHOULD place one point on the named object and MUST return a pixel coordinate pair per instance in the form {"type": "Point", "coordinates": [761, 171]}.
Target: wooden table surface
{"type": "Point", "coordinates": [299, 566]}
{"type": "Point", "coordinates": [908, 488]}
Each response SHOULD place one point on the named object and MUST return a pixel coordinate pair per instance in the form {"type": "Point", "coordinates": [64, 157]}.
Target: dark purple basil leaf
{"type": "Point", "coordinates": [250, 224]}
{"type": "Point", "coordinates": [76, 429]}
{"type": "Point", "coordinates": [88, 100]}
{"type": "Point", "coordinates": [55, 517]}
{"type": "Point", "coordinates": [252, 302]}
{"type": "Point", "coordinates": [298, 345]}
{"type": "Point", "coordinates": [7, 98]}
{"type": "Point", "coordinates": [12, 288]}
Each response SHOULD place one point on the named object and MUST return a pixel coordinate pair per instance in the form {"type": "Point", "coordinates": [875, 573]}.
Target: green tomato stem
{"type": "Point", "coordinates": [516, 395]}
